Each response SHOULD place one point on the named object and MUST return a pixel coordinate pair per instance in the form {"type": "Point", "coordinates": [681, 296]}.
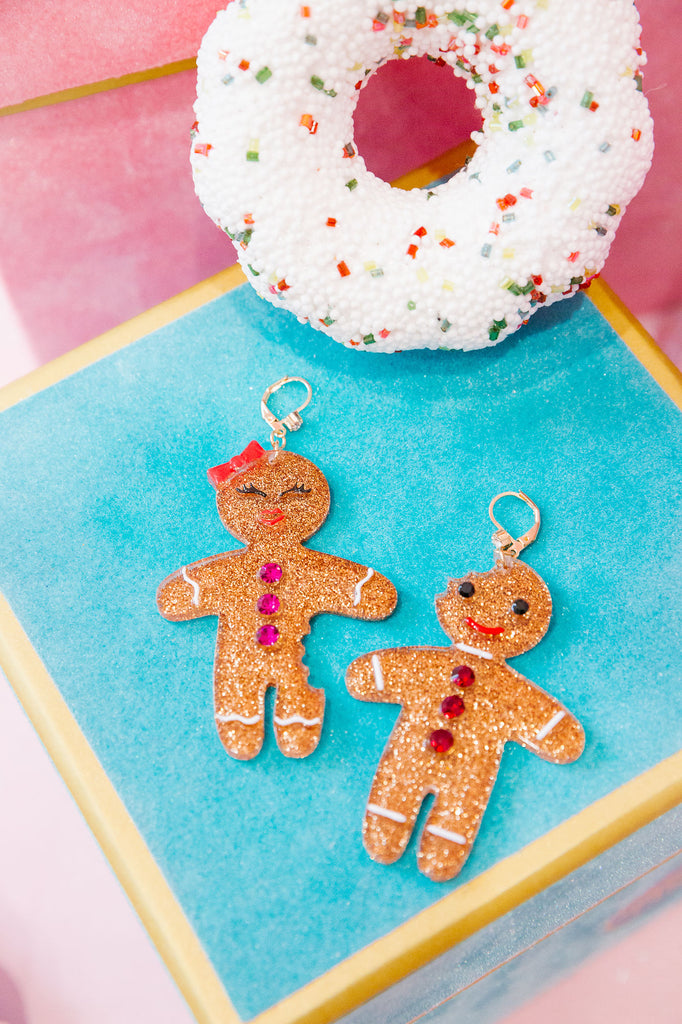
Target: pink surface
{"type": "Point", "coordinates": [636, 981]}
{"type": "Point", "coordinates": [49, 45]}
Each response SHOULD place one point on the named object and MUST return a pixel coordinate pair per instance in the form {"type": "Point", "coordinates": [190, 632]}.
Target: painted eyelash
{"type": "Point", "coordinates": [297, 489]}
{"type": "Point", "coordinates": [250, 489]}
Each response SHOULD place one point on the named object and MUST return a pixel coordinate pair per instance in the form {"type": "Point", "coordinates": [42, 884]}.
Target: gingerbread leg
{"type": "Point", "coordinates": [299, 713]}
{"type": "Point", "coordinates": [239, 708]}
{"type": "Point", "coordinates": [453, 822]}
{"type": "Point", "coordinates": [392, 808]}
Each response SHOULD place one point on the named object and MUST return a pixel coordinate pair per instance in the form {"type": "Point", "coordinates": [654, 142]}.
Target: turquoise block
{"type": "Point", "coordinates": [104, 492]}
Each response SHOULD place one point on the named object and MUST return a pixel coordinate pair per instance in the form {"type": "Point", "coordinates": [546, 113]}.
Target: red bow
{"type": "Point", "coordinates": [219, 474]}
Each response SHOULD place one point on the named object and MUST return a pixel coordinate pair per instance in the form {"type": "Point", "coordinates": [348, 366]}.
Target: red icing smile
{"type": "Point", "coordinates": [480, 628]}
{"type": "Point", "coordinates": [270, 516]}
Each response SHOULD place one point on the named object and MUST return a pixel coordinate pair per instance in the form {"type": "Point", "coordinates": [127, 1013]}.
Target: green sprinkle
{"type": "Point", "coordinates": [328, 321]}
{"type": "Point", "coordinates": [420, 16]}
{"type": "Point", "coordinates": [587, 99]}
{"type": "Point", "coordinates": [500, 324]}
{"type": "Point", "coordinates": [253, 156]}
{"type": "Point", "coordinates": [445, 326]}
{"type": "Point", "coordinates": [527, 288]}
{"type": "Point", "coordinates": [463, 18]}
{"type": "Point", "coordinates": [514, 288]}
{"type": "Point", "coordinates": [638, 82]}
{"type": "Point", "coordinates": [576, 280]}
{"type": "Point", "coordinates": [352, 184]}
{"type": "Point", "coordinates": [369, 339]}
{"type": "Point", "coordinates": [263, 75]}
{"type": "Point", "coordinates": [256, 273]}
{"type": "Point", "coordinates": [520, 61]}
{"type": "Point", "coordinates": [411, 304]}
{"type": "Point", "coordinates": [515, 125]}
{"type": "Point", "coordinates": [311, 40]}
{"type": "Point", "coordinates": [493, 334]}
{"type": "Point", "coordinates": [493, 31]}
{"type": "Point", "coordinates": [330, 92]}
{"type": "Point", "coordinates": [316, 82]}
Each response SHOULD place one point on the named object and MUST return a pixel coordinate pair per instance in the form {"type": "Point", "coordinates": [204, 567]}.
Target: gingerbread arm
{"type": "Point", "coordinates": [386, 676]}
{"type": "Point", "coordinates": [189, 593]}
{"type": "Point", "coordinates": [543, 725]}
{"type": "Point", "coordinates": [354, 590]}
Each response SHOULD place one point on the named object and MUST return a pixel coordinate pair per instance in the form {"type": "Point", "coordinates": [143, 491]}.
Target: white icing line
{"type": "Point", "coordinates": [358, 587]}
{"type": "Point", "coordinates": [546, 729]}
{"type": "Point", "coordinates": [443, 833]}
{"type": "Point", "coordinates": [238, 718]}
{"type": "Point", "coordinates": [474, 650]}
{"type": "Point", "coordinates": [297, 720]}
{"type": "Point", "coordinates": [384, 813]}
{"type": "Point", "coordinates": [378, 674]}
{"type": "Point", "coordinates": [194, 585]}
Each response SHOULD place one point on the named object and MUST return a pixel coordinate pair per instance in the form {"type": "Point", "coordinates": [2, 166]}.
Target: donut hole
{"type": "Point", "coordinates": [410, 112]}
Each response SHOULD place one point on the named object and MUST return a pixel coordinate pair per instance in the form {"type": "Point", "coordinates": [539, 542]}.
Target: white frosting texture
{"type": "Point", "coordinates": [565, 144]}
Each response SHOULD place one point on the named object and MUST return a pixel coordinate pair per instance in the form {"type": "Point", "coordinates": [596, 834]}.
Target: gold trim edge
{"type": "Point", "coordinates": [77, 92]}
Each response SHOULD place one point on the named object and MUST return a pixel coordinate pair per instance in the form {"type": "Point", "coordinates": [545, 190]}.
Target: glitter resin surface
{"type": "Point", "coordinates": [265, 595]}
{"type": "Point", "coordinates": [566, 143]}
{"type": "Point", "coordinates": [450, 743]}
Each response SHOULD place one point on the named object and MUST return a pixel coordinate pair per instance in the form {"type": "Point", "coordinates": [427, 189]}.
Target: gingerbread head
{"type": "Point", "coordinates": [275, 496]}
{"type": "Point", "coordinates": [506, 610]}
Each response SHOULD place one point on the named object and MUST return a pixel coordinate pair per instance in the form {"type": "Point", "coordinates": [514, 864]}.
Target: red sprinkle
{"type": "Point", "coordinates": [574, 256]}
{"type": "Point", "coordinates": [636, 134]}
{"type": "Point", "coordinates": [331, 222]}
{"type": "Point", "coordinates": [447, 243]}
{"type": "Point", "coordinates": [203, 148]}
{"type": "Point", "coordinates": [342, 269]}
{"type": "Point", "coordinates": [412, 250]}
{"type": "Point", "coordinates": [420, 232]}
{"type": "Point", "coordinates": [245, 65]}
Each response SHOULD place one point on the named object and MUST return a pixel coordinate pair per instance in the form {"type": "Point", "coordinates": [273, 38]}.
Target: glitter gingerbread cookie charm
{"type": "Point", "coordinates": [265, 593]}
{"type": "Point", "coordinates": [459, 706]}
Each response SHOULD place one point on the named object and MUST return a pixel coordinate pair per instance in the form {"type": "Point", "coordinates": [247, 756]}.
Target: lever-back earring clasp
{"type": "Point", "coordinates": [293, 420]}
{"type": "Point", "coordinates": [507, 547]}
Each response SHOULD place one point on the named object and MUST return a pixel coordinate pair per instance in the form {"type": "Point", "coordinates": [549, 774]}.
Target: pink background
{"type": "Point", "coordinates": [99, 222]}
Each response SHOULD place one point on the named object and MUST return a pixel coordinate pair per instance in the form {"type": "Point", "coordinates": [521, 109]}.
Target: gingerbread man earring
{"type": "Point", "coordinates": [265, 593]}
{"type": "Point", "coordinates": [459, 706]}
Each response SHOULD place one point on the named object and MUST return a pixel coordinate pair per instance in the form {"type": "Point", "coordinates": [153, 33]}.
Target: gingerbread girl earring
{"type": "Point", "coordinates": [266, 593]}
{"type": "Point", "coordinates": [459, 706]}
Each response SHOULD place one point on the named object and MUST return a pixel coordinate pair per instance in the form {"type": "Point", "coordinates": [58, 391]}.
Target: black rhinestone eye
{"type": "Point", "coordinates": [466, 589]}
{"type": "Point", "coordinates": [520, 607]}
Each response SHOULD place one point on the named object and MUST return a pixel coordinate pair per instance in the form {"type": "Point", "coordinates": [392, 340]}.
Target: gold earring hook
{"type": "Point", "coordinates": [507, 547]}
{"type": "Point", "coordinates": [292, 421]}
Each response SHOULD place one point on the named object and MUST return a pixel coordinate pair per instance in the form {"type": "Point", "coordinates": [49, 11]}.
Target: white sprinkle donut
{"type": "Point", "coordinates": [566, 142]}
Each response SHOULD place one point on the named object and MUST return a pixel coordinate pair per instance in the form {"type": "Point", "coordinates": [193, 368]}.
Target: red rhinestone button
{"type": "Point", "coordinates": [441, 740]}
{"type": "Point", "coordinates": [268, 604]}
{"type": "Point", "coordinates": [271, 572]}
{"type": "Point", "coordinates": [267, 635]}
{"type": "Point", "coordinates": [452, 706]}
{"type": "Point", "coordinates": [463, 675]}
